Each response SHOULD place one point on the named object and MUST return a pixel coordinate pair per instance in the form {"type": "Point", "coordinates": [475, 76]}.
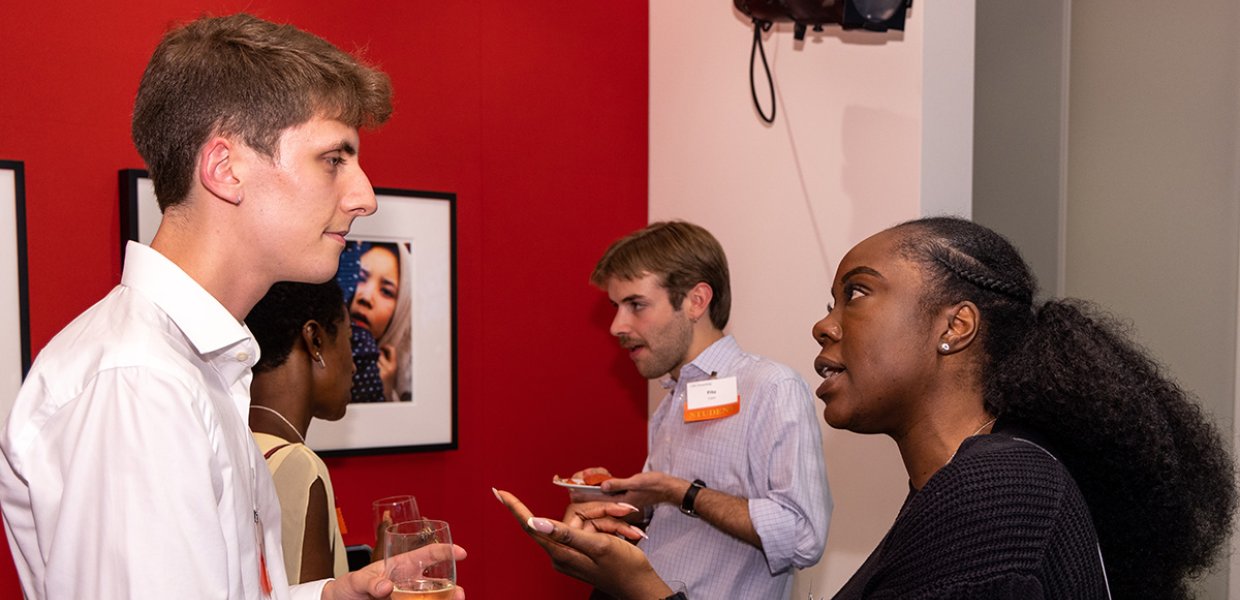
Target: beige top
{"type": "Point", "coordinates": [295, 468]}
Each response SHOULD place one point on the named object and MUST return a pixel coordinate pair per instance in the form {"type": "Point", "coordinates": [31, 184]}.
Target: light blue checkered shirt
{"type": "Point", "coordinates": [770, 453]}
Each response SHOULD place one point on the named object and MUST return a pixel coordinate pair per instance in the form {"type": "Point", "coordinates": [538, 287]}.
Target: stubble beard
{"type": "Point", "coordinates": [673, 348]}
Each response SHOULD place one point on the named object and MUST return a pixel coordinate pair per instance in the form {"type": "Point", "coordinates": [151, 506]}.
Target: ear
{"type": "Point", "coordinates": [216, 169]}
{"type": "Point", "coordinates": [697, 300]}
{"type": "Point", "coordinates": [312, 338]}
{"type": "Point", "coordinates": [963, 319]}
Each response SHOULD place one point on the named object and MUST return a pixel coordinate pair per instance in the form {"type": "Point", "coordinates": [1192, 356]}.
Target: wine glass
{"type": "Point", "coordinates": [418, 559]}
{"type": "Point", "coordinates": [389, 511]}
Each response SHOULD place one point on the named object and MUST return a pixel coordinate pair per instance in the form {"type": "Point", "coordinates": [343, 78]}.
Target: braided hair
{"type": "Point", "coordinates": [1152, 467]}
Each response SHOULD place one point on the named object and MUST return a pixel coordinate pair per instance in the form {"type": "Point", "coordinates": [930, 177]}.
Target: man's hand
{"type": "Point", "coordinates": [644, 490]}
{"type": "Point", "coordinates": [369, 582]}
{"type": "Point", "coordinates": [605, 561]}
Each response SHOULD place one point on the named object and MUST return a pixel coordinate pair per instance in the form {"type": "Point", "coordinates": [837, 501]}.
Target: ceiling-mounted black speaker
{"type": "Point", "coordinates": [875, 15]}
{"type": "Point", "coordinates": [871, 15]}
{"type": "Point", "coordinates": [815, 14]}
{"type": "Point", "coordinates": [771, 11]}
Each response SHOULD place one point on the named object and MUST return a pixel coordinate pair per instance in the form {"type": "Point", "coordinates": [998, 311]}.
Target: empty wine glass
{"type": "Point", "coordinates": [418, 558]}
{"type": "Point", "coordinates": [390, 511]}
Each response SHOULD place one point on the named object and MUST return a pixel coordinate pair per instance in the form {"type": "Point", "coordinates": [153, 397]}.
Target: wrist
{"type": "Point", "coordinates": [688, 502]}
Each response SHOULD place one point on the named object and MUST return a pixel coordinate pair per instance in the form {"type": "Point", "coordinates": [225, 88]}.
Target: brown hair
{"type": "Point", "coordinates": [243, 76]}
{"type": "Point", "coordinates": [681, 255]}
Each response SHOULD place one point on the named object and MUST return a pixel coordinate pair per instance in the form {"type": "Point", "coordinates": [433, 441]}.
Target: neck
{"type": "Point", "coordinates": [280, 390]}
{"type": "Point", "coordinates": [704, 334]}
{"type": "Point", "coordinates": [932, 442]}
{"type": "Point", "coordinates": [216, 262]}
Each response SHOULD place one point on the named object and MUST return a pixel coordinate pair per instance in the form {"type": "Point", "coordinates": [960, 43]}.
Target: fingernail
{"type": "Point", "coordinates": [629, 506]}
{"type": "Point", "coordinates": [496, 492]}
{"type": "Point", "coordinates": [639, 532]}
{"type": "Point", "coordinates": [540, 525]}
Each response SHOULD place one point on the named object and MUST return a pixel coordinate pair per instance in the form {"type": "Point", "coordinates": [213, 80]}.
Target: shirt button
{"type": "Point", "coordinates": [243, 356]}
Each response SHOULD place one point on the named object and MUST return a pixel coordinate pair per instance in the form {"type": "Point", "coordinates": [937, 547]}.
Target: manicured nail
{"type": "Point", "coordinates": [629, 506]}
{"type": "Point", "coordinates": [496, 492]}
{"type": "Point", "coordinates": [639, 532]}
{"type": "Point", "coordinates": [540, 525]}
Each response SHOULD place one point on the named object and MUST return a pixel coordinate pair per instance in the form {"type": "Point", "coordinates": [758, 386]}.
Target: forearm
{"type": "Point", "coordinates": [727, 513]}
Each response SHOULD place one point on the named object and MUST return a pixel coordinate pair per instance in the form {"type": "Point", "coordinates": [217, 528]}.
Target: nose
{"type": "Point", "coordinates": [619, 324]}
{"type": "Point", "coordinates": [827, 329]}
{"type": "Point", "coordinates": [362, 295]}
{"type": "Point", "coordinates": [359, 200]}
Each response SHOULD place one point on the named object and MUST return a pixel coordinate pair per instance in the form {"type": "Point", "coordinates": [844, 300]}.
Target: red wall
{"type": "Point", "coordinates": [533, 112]}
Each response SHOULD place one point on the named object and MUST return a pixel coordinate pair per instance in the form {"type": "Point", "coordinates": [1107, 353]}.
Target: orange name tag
{"type": "Point", "coordinates": [711, 399]}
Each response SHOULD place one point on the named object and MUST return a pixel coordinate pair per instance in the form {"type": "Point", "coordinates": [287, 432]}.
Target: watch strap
{"type": "Point", "coordinates": [687, 503]}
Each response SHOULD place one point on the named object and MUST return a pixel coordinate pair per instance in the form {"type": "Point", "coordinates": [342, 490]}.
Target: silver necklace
{"type": "Point", "coordinates": [290, 425]}
{"type": "Point", "coordinates": [979, 430]}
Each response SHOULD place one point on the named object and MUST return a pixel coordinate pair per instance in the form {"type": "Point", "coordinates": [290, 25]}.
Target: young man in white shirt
{"type": "Point", "coordinates": [130, 469]}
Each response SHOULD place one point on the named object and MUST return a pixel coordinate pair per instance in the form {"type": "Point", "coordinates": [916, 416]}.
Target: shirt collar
{"type": "Point", "coordinates": [204, 321]}
{"type": "Point", "coordinates": [716, 358]}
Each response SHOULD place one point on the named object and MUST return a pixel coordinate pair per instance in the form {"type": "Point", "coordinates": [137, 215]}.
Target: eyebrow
{"type": "Point", "coordinates": [861, 271]}
{"type": "Point", "coordinates": [632, 298]}
{"type": "Point", "coordinates": [343, 146]}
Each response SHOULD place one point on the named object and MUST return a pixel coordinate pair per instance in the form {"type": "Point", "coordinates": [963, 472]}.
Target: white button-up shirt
{"type": "Point", "coordinates": [131, 471]}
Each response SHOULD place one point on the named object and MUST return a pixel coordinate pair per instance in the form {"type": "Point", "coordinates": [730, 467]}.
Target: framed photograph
{"type": "Point", "coordinates": [14, 301]}
{"type": "Point", "coordinates": [398, 275]}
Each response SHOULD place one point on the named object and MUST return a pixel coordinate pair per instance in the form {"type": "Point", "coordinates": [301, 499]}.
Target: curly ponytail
{"type": "Point", "coordinates": [1153, 469]}
{"type": "Point", "coordinates": [1150, 464]}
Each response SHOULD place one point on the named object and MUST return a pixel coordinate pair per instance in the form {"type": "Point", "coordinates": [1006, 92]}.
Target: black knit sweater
{"type": "Point", "coordinates": [1003, 519]}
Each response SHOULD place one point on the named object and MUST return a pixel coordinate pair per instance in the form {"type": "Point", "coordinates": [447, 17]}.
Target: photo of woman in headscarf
{"type": "Point", "coordinates": [377, 279]}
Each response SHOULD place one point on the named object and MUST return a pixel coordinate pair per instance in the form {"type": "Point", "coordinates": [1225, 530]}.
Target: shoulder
{"type": "Point", "coordinates": [1002, 505]}
{"type": "Point", "coordinates": [124, 329]}
{"type": "Point", "coordinates": [754, 369]}
{"type": "Point", "coordinates": [773, 383]}
{"type": "Point", "coordinates": [1009, 474]}
{"type": "Point", "coordinates": [300, 458]}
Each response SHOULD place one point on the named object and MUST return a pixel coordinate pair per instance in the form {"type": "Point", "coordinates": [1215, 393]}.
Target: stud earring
{"type": "Point", "coordinates": [318, 358]}
{"type": "Point", "coordinates": [944, 347]}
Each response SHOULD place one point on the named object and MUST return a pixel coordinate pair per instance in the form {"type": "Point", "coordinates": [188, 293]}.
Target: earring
{"type": "Point", "coordinates": [318, 358]}
{"type": "Point", "coordinates": [944, 347]}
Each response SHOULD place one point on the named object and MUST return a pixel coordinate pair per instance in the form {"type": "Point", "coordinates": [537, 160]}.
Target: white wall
{"type": "Point", "coordinates": [872, 129]}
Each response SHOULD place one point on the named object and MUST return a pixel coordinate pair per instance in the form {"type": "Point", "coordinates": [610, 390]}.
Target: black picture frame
{"type": "Point", "coordinates": [14, 295]}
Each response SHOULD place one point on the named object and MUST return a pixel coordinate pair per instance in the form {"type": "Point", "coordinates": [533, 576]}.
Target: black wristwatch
{"type": "Point", "coordinates": [686, 504]}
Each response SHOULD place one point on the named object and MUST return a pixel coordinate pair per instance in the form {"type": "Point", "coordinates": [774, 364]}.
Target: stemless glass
{"type": "Point", "coordinates": [418, 558]}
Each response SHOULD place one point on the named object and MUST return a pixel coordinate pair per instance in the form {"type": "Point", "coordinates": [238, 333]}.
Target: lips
{"type": "Point", "coordinates": [829, 370]}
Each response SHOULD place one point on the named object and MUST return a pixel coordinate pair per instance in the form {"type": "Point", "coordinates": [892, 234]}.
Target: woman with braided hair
{"type": "Point", "coordinates": [1099, 476]}
{"type": "Point", "coordinates": [1047, 455]}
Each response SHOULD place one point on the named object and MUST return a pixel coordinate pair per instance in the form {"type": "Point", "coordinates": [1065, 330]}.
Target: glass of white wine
{"type": "Point", "coordinates": [418, 558]}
